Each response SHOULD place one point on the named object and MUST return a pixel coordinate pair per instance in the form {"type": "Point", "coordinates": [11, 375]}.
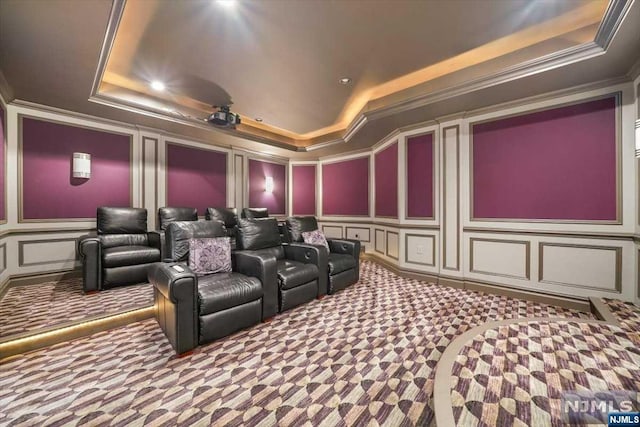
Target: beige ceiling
{"type": "Point", "coordinates": [281, 60]}
{"type": "Point", "coordinates": [410, 61]}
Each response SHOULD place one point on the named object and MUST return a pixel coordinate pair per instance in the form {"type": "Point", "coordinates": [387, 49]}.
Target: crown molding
{"type": "Point", "coordinates": [614, 15]}
{"type": "Point", "coordinates": [634, 71]}
{"type": "Point", "coordinates": [117, 9]}
{"type": "Point", "coordinates": [612, 20]}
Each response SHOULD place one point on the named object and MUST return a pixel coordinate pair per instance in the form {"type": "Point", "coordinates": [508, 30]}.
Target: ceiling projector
{"type": "Point", "coordinates": [224, 117]}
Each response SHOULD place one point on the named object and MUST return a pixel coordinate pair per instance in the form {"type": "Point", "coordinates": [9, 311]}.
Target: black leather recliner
{"type": "Point", "coordinates": [120, 252]}
{"type": "Point", "coordinates": [166, 216]}
{"type": "Point", "coordinates": [229, 217]}
{"type": "Point", "coordinates": [255, 213]}
{"type": "Point", "coordinates": [298, 267]}
{"type": "Point", "coordinates": [194, 310]}
{"type": "Point", "coordinates": [344, 254]}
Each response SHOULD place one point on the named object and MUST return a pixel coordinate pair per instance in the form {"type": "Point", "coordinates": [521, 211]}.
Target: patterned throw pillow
{"type": "Point", "coordinates": [210, 255]}
{"type": "Point", "coordinates": [315, 237]}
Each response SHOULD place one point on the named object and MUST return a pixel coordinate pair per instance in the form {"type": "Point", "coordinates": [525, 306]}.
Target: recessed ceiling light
{"type": "Point", "coordinates": [226, 3]}
{"type": "Point", "coordinates": [157, 85]}
{"type": "Point", "coordinates": [345, 80]}
{"type": "Point", "coordinates": [258, 119]}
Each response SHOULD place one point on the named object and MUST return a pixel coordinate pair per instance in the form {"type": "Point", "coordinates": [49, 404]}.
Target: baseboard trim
{"type": "Point", "coordinates": [35, 278]}
{"type": "Point", "coordinates": [489, 288]}
{"type": "Point", "coordinates": [45, 339]}
{"type": "Point", "coordinates": [602, 312]}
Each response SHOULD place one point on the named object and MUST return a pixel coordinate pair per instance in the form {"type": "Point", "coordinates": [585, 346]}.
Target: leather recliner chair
{"type": "Point", "coordinates": [120, 252]}
{"type": "Point", "coordinates": [194, 310]}
{"type": "Point", "coordinates": [229, 217]}
{"type": "Point", "coordinates": [255, 213]}
{"type": "Point", "coordinates": [298, 267]}
{"type": "Point", "coordinates": [166, 216]}
{"type": "Point", "coordinates": [344, 254]}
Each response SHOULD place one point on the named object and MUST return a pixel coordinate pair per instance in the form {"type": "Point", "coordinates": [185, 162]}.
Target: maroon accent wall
{"type": "Point", "coordinates": [345, 187]}
{"type": "Point", "coordinates": [258, 198]}
{"type": "Point", "coordinates": [196, 177]}
{"type": "Point", "coordinates": [304, 189]}
{"type": "Point", "coordinates": [3, 190]}
{"type": "Point", "coordinates": [554, 164]}
{"type": "Point", "coordinates": [420, 176]}
{"type": "Point", "coordinates": [386, 190]}
{"type": "Point", "coordinates": [49, 191]}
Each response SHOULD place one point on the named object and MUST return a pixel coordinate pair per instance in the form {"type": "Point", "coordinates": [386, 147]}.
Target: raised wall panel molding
{"type": "Point", "coordinates": [502, 258]}
{"type": "Point", "coordinates": [450, 177]}
{"type": "Point", "coordinates": [150, 178]}
{"type": "Point", "coordinates": [49, 251]}
{"type": "Point", "coordinates": [591, 267]}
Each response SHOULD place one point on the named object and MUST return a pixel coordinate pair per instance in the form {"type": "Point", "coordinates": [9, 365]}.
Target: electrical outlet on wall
{"type": "Point", "coordinates": [420, 250]}
{"type": "Point", "coordinates": [357, 236]}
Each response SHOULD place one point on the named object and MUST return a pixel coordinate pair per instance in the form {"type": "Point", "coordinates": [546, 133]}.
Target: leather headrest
{"type": "Point", "coordinates": [254, 234]}
{"type": "Point", "coordinates": [168, 215]}
{"type": "Point", "coordinates": [227, 215]}
{"type": "Point", "coordinates": [179, 232]}
{"type": "Point", "coordinates": [111, 220]}
{"type": "Point", "coordinates": [296, 225]}
{"type": "Point", "coordinates": [255, 213]}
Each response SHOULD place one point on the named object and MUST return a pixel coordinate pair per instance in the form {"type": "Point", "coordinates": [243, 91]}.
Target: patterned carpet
{"type": "Point", "coordinates": [29, 308]}
{"type": "Point", "coordinates": [514, 375]}
{"type": "Point", "coordinates": [628, 314]}
{"type": "Point", "coordinates": [365, 356]}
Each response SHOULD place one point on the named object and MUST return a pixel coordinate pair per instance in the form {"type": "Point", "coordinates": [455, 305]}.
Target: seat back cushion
{"type": "Point", "coordinates": [315, 237]}
{"type": "Point", "coordinates": [210, 255]}
{"type": "Point", "coordinates": [113, 240]}
{"type": "Point", "coordinates": [227, 215]}
{"type": "Point", "coordinates": [255, 234]}
{"type": "Point", "coordinates": [179, 233]}
{"type": "Point", "coordinates": [296, 225]}
{"type": "Point", "coordinates": [112, 220]}
{"type": "Point", "coordinates": [255, 213]}
{"type": "Point", "coordinates": [168, 215]}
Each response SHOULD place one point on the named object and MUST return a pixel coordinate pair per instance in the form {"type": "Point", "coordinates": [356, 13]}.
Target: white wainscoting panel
{"type": "Point", "coordinates": [332, 231]}
{"type": "Point", "coordinates": [358, 233]}
{"type": "Point", "coordinates": [503, 258]}
{"type": "Point", "coordinates": [393, 244]}
{"type": "Point", "coordinates": [379, 241]}
{"type": "Point", "coordinates": [583, 266]}
{"type": "Point", "coordinates": [46, 251]}
{"type": "Point", "coordinates": [420, 249]}
{"type": "Point", "coordinates": [451, 198]}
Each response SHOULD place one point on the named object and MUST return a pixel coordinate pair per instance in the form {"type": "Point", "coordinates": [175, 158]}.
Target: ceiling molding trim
{"type": "Point", "coordinates": [354, 127]}
{"type": "Point", "coordinates": [324, 145]}
{"type": "Point", "coordinates": [6, 92]}
{"type": "Point", "coordinates": [117, 9]}
{"type": "Point", "coordinates": [525, 69]}
{"type": "Point", "coordinates": [104, 100]}
{"type": "Point", "coordinates": [73, 114]}
{"type": "Point", "coordinates": [634, 71]}
{"type": "Point", "coordinates": [611, 22]}
{"type": "Point", "coordinates": [548, 96]}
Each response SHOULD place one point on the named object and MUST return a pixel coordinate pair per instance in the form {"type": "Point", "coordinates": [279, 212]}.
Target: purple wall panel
{"type": "Point", "coordinates": [554, 164]}
{"type": "Point", "coordinates": [196, 177]}
{"type": "Point", "coordinates": [386, 170]}
{"type": "Point", "coordinates": [304, 190]}
{"type": "Point", "coordinates": [49, 191]}
{"type": "Point", "coordinates": [420, 176]}
{"type": "Point", "coordinates": [258, 198]}
{"type": "Point", "coordinates": [3, 190]}
{"type": "Point", "coordinates": [345, 187]}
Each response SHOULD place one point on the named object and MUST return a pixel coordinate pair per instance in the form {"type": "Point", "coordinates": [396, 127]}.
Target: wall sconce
{"type": "Point", "coordinates": [268, 184]}
{"type": "Point", "coordinates": [81, 165]}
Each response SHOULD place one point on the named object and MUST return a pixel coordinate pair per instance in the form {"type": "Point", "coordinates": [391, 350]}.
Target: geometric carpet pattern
{"type": "Point", "coordinates": [28, 308]}
{"type": "Point", "coordinates": [365, 356]}
{"type": "Point", "coordinates": [627, 314]}
{"type": "Point", "coordinates": [514, 375]}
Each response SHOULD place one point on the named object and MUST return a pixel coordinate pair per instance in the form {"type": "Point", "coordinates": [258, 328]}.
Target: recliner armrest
{"type": "Point", "coordinates": [173, 284]}
{"type": "Point", "coordinates": [264, 268]}
{"type": "Point", "coordinates": [345, 246]}
{"type": "Point", "coordinates": [311, 254]}
{"type": "Point", "coordinates": [157, 240]}
{"type": "Point", "coordinates": [90, 250]}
